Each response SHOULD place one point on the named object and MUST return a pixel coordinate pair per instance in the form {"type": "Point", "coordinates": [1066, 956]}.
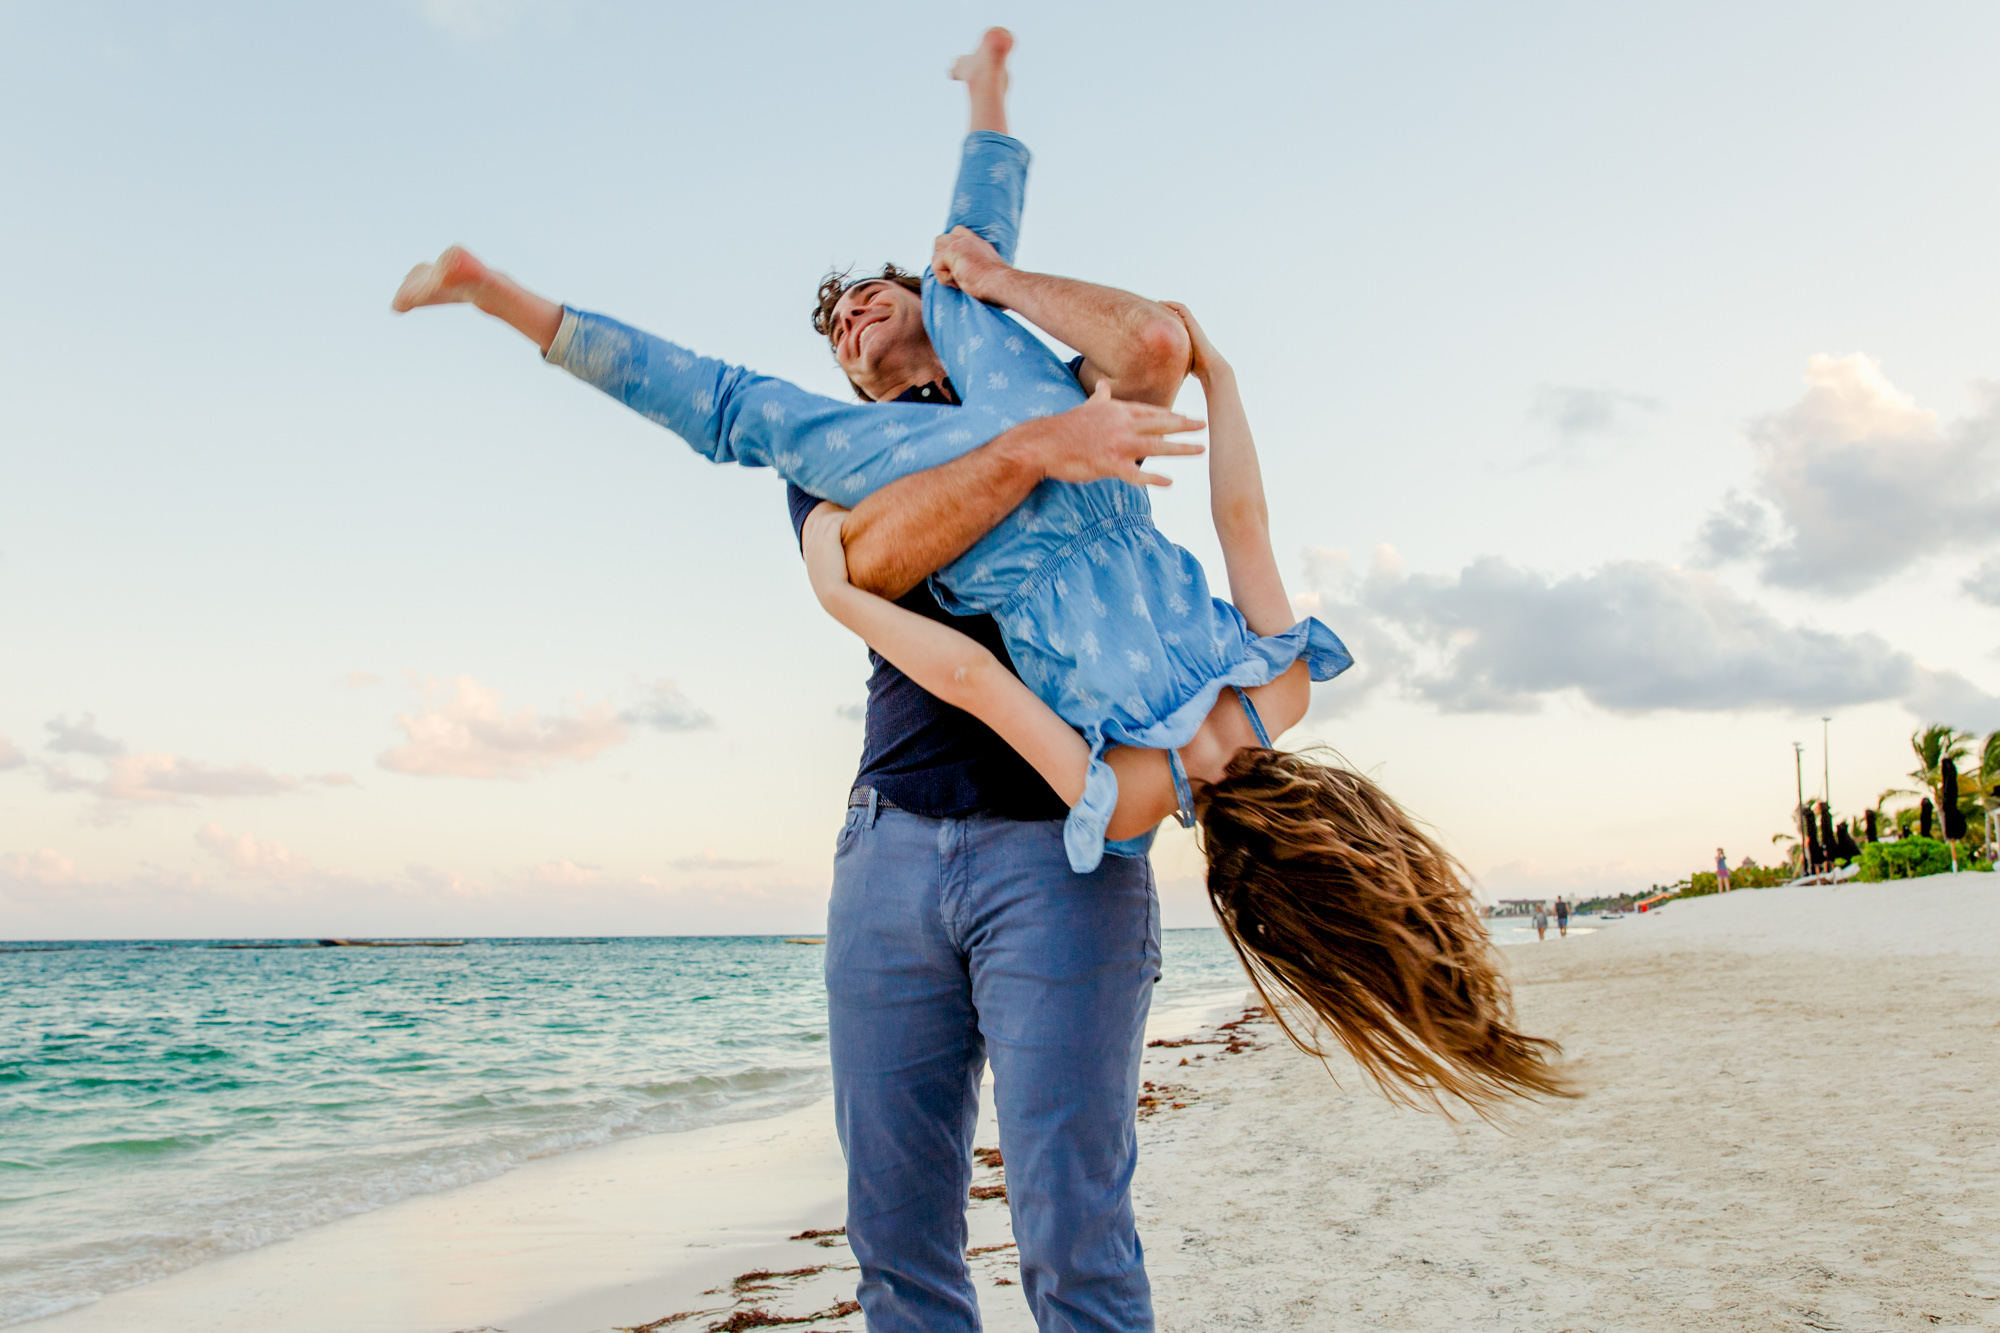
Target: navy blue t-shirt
{"type": "Point", "coordinates": [925, 755]}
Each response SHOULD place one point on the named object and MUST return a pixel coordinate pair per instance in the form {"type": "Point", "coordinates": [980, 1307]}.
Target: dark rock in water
{"type": "Point", "coordinates": [391, 944]}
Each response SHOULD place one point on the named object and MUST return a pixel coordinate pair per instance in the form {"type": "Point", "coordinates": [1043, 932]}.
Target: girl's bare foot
{"type": "Point", "coordinates": [984, 73]}
{"type": "Point", "coordinates": [456, 276]}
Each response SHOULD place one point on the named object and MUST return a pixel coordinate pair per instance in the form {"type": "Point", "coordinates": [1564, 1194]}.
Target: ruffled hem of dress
{"type": "Point", "coordinates": [1270, 656]}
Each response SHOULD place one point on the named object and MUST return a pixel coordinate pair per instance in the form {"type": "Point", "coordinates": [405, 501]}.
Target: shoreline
{"type": "Point", "coordinates": [564, 1242]}
{"type": "Point", "coordinates": [1788, 1122]}
{"type": "Point", "coordinates": [577, 1241]}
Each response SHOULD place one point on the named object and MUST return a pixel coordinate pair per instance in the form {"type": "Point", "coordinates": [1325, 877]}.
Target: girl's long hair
{"type": "Point", "coordinates": [1351, 920]}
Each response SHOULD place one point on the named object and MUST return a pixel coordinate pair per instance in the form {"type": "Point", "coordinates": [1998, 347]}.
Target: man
{"type": "Point", "coordinates": [1562, 918]}
{"type": "Point", "coordinates": [957, 932]}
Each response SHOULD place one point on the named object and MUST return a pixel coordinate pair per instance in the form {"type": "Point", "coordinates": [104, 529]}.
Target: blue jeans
{"type": "Point", "coordinates": [951, 942]}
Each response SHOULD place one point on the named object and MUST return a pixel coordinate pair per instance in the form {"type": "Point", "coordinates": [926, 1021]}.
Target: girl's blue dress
{"type": "Point", "coordinates": [1110, 623]}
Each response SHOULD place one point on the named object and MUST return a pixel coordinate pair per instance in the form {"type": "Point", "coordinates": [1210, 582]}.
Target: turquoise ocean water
{"type": "Point", "coordinates": [166, 1103]}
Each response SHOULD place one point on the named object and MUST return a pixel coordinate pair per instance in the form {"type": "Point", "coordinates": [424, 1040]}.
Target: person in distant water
{"type": "Point", "coordinates": [1721, 871]}
{"type": "Point", "coordinates": [1562, 917]}
{"type": "Point", "coordinates": [1540, 921]}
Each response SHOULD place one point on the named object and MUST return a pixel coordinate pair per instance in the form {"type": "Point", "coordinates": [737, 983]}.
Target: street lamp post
{"type": "Point", "coordinates": [1799, 811]}
{"type": "Point", "coordinates": [1826, 759]}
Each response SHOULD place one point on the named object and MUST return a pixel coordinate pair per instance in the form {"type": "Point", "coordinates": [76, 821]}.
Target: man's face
{"type": "Point", "coordinates": [877, 331]}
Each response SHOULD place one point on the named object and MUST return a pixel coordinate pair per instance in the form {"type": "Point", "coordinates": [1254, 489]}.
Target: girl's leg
{"type": "Point", "coordinates": [458, 277]}
{"type": "Point", "coordinates": [984, 74]}
{"type": "Point", "coordinates": [993, 361]}
{"type": "Point", "coordinates": [835, 449]}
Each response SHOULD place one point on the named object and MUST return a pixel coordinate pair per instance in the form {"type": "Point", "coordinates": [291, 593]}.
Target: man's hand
{"type": "Point", "coordinates": [916, 525]}
{"type": "Point", "coordinates": [1106, 437]}
{"type": "Point", "coordinates": [963, 259]}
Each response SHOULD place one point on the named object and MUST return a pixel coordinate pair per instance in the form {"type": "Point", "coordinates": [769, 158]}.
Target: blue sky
{"type": "Point", "coordinates": [1531, 298]}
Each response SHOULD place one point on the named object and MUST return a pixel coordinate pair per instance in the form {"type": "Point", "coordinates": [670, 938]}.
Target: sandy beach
{"type": "Point", "coordinates": [1789, 1122]}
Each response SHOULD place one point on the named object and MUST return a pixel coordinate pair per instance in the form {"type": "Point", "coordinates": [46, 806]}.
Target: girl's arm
{"type": "Point", "coordinates": [1243, 524]}
{"type": "Point", "coordinates": [950, 665]}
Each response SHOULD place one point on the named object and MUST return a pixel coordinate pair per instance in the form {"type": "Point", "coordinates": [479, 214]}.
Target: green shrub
{"type": "Point", "coordinates": [1906, 858]}
{"type": "Point", "coordinates": [1745, 877]}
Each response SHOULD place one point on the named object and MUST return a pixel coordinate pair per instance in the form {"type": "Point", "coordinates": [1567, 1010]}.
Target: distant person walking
{"type": "Point", "coordinates": [1562, 918]}
{"type": "Point", "coordinates": [1540, 921]}
{"type": "Point", "coordinates": [1721, 871]}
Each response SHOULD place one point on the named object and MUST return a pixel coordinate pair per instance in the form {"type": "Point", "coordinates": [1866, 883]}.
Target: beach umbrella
{"type": "Point", "coordinates": [1872, 836]}
{"type": "Point", "coordinates": [1924, 817]}
{"type": "Point", "coordinates": [1813, 857]}
{"type": "Point", "coordinates": [1826, 842]}
{"type": "Point", "coordinates": [1844, 840]}
{"type": "Point", "coordinates": [1954, 818]}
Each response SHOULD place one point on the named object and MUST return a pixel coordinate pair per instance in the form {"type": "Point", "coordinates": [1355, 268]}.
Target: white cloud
{"type": "Point", "coordinates": [464, 732]}
{"type": "Point", "coordinates": [470, 20]}
{"type": "Point", "coordinates": [1982, 586]}
{"type": "Point", "coordinates": [247, 855]}
{"type": "Point", "coordinates": [1855, 483]}
{"type": "Point", "coordinates": [46, 868]}
{"type": "Point", "coordinates": [132, 780]}
{"type": "Point", "coordinates": [665, 708]}
{"type": "Point", "coordinates": [1946, 696]}
{"type": "Point", "coordinates": [563, 874]}
{"type": "Point", "coordinates": [9, 756]}
{"type": "Point", "coordinates": [708, 860]}
{"type": "Point", "coordinates": [447, 883]}
{"type": "Point", "coordinates": [1577, 415]}
{"type": "Point", "coordinates": [1631, 637]}
{"type": "Point", "coordinates": [80, 737]}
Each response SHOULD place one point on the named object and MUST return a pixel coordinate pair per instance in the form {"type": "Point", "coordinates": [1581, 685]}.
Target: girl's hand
{"type": "Point", "coordinates": [826, 556]}
{"type": "Point", "coordinates": [1207, 361]}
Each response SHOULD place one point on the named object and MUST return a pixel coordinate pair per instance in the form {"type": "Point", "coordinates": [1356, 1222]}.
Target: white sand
{"type": "Point", "coordinates": [1792, 1121]}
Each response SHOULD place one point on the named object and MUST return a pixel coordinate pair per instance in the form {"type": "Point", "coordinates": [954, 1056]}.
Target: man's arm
{"type": "Point", "coordinates": [911, 528]}
{"type": "Point", "coordinates": [1137, 344]}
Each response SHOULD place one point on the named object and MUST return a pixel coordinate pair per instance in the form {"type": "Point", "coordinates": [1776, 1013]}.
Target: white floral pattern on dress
{"type": "Point", "coordinates": [1051, 571]}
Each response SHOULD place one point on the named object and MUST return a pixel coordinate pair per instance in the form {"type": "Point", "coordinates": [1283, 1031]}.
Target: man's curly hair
{"type": "Point", "coordinates": [836, 285]}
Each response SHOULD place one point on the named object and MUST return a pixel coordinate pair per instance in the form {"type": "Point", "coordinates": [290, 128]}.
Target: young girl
{"type": "Point", "coordinates": [1348, 917]}
{"type": "Point", "coordinates": [1108, 622]}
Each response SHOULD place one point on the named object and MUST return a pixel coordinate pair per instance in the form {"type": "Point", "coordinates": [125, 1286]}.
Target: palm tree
{"type": "Point", "coordinates": [1984, 787]}
{"type": "Point", "coordinates": [1932, 746]}
{"type": "Point", "coordinates": [1984, 781]}
{"type": "Point", "coordinates": [1893, 820]}
{"type": "Point", "coordinates": [1793, 853]}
